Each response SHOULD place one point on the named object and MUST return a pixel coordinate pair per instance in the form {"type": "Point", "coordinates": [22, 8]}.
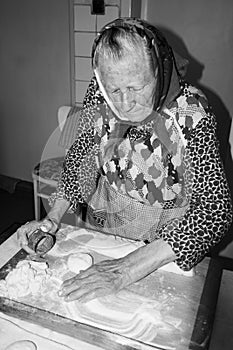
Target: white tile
{"type": "Point", "coordinates": [83, 70]}
{"type": "Point", "coordinates": [80, 90]}
{"type": "Point", "coordinates": [83, 20]}
{"type": "Point", "coordinates": [83, 2]}
{"type": "Point", "coordinates": [111, 13]}
{"type": "Point", "coordinates": [83, 44]}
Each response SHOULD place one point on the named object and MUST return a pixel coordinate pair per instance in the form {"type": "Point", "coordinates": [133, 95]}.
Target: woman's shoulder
{"type": "Point", "coordinates": [93, 95]}
{"type": "Point", "coordinates": [192, 109]}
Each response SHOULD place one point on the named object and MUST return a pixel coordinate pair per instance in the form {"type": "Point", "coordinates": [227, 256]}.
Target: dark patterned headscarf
{"type": "Point", "coordinates": [170, 68]}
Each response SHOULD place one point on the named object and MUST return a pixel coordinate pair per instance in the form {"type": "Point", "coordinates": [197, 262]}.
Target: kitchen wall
{"type": "Point", "coordinates": [202, 31]}
{"type": "Point", "coordinates": [36, 70]}
{"type": "Point", "coordinates": [35, 79]}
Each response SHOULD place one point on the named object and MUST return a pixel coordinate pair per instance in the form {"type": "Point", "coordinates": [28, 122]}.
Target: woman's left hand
{"type": "Point", "coordinates": [110, 276]}
{"type": "Point", "coordinates": [106, 277]}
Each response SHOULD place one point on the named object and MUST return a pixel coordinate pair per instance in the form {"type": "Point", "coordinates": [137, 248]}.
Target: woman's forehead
{"type": "Point", "coordinates": [132, 67]}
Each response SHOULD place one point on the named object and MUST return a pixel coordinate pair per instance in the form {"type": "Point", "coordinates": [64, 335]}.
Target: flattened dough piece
{"type": "Point", "coordinates": [22, 345]}
{"type": "Point", "coordinates": [79, 261]}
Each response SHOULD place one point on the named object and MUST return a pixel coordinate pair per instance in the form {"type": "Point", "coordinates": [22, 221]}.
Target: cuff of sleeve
{"type": "Point", "coordinates": [187, 256]}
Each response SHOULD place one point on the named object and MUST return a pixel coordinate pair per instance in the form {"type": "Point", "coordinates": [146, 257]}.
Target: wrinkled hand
{"type": "Point", "coordinates": [106, 277]}
{"type": "Point", "coordinates": [110, 276]}
{"type": "Point", "coordinates": [26, 230]}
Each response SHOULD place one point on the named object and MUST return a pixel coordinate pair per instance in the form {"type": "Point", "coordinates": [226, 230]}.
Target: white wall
{"type": "Point", "coordinates": [206, 27]}
{"type": "Point", "coordinates": [35, 79]}
{"type": "Point", "coordinates": [203, 32]}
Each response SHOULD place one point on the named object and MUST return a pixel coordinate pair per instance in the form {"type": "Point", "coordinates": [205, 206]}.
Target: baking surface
{"type": "Point", "coordinates": [158, 312]}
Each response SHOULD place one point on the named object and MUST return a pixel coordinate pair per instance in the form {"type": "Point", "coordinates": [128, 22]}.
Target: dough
{"type": "Point", "coordinates": [23, 280]}
{"type": "Point", "coordinates": [67, 246]}
{"type": "Point", "coordinates": [22, 345]}
{"type": "Point", "coordinates": [79, 261]}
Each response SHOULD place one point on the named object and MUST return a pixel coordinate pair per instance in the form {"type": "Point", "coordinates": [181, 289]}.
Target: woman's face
{"type": "Point", "coordinates": [130, 85]}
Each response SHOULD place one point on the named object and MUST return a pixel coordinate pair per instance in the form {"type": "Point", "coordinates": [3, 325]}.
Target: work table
{"type": "Point", "coordinates": [191, 299]}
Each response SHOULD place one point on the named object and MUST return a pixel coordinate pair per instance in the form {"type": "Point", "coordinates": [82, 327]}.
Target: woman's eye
{"type": "Point", "coordinates": [138, 88]}
{"type": "Point", "coordinates": [130, 88]}
{"type": "Point", "coordinates": [115, 92]}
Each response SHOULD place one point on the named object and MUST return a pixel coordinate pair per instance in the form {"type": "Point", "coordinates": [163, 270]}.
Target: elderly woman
{"type": "Point", "coordinates": [145, 161]}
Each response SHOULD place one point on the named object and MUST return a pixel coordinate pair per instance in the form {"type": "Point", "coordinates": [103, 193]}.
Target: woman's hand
{"type": "Point", "coordinates": [26, 230]}
{"type": "Point", "coordinates": [106, 277]}
{"type": "Point", "coordinates": [110, 276]}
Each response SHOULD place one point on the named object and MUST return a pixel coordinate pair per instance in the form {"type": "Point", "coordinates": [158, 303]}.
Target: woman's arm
{"type": "Point", "coordinates": [185, 240]}
{"type": "Point", "coordinates": [210, 213]}
{"type": "Point", "coordinates": [59, 208]}
{"type": "Point", "coordinates": [110, 276]}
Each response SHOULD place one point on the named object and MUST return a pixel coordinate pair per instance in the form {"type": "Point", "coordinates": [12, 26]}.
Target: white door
{"type": "Point", "coordinates": [83, 29]}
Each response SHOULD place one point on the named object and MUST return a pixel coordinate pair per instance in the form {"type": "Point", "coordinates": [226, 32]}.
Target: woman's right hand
{"type": "Point", "coordinates": [27, 229]}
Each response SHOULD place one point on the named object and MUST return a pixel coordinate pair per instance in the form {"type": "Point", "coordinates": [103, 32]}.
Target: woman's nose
{"type": "Point", "coordinates": [127, 100]}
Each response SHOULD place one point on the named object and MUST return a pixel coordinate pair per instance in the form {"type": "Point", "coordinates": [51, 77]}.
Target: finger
{"type": "Point", "coordinates": [27, 228]}
{"type": "Point", "coordinates": [70, 286]}
{"type": "Point", "coordinates": [21, 233]}
{"type": "Point", "coordinates": [75, 283]}
{"type": "Point", "coordinates": [24, 232]}
{"type": "Point", "coordinates": [68, 282]}
{"type": "Point", "coordinates": [81, 287]}
{"type": "Point", "coordinates": [83, 274]}
{"type": "Point", "coordinates": [25, 247]}
{"type": "Point", "coordinates": [98, 292]}
{"type": "Point", "coordinates": [47, 226]}
{"type": "Point", "coordinates": [84, 295]}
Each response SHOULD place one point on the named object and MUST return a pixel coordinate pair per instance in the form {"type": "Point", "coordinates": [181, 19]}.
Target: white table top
{"type": "Point", "coordinates": [14, 329]}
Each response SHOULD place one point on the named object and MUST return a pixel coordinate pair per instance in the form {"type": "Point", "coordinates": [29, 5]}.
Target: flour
{"type": "Point", "coordinates": [26, 278]}
{"type": "Point", "coordinates": [22, 345]}
{"type": "Point", "coordinates": [36, 278]}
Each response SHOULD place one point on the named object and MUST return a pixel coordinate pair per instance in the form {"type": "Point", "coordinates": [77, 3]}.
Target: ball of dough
{"type": "Point", "coordinates": [79, 261]}
{"type": "Point", "coordinates": [22, 345]}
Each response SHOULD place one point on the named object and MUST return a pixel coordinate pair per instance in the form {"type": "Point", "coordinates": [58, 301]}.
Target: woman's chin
{"type": "Point", "coordinates": [135, 116]}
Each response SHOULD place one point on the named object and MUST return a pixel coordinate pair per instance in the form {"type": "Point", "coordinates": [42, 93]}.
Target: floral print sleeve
{"type": "Point", "coordinates": [210, 213]}
{"type": "Point", "coordinates": [79, 174]}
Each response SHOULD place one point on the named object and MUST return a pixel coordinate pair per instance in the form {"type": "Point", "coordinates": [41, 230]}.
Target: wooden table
{"type": "Point", "coordinates": [201, 293]}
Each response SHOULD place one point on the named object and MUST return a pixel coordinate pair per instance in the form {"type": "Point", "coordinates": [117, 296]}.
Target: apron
{"type": "Point", "coordinates": [112, 212]}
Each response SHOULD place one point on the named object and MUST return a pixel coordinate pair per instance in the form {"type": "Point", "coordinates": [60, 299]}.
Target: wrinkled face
{"type": "Point", "coordinates": [130, 85]}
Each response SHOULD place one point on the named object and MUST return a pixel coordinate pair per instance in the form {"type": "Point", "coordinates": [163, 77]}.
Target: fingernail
{"type": "Point", "coordinates": [44, 228]}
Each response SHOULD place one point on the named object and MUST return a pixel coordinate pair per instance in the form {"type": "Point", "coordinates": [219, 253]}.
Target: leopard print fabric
{"type": "Point", "coordinates": [201, 178]}
{"type": "Point", "coordinates": [210, 213]}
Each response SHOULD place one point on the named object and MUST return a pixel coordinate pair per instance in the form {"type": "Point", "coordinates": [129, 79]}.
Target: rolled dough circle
{"type": "Point", "coordinates": [22, 345]}
{"type": "Point", "coordinates": [79, 261]}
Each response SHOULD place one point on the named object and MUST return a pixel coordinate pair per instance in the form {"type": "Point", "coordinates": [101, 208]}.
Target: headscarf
{"type": "Point", "coordinates": [161, 53]}
{"type": "Point", "coordinates": [170, 67]}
